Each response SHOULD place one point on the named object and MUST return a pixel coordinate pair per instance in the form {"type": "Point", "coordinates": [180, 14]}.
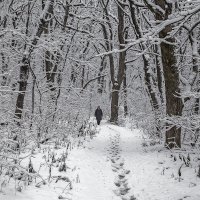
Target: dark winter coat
{"type": "Point", "coordinates": [98, 114]}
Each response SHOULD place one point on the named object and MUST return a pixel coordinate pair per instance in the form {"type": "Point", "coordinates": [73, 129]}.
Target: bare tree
{"type": "Point", "coordinates": [25, 62]}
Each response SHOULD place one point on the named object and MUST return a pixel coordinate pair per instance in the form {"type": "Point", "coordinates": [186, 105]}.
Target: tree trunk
{"type": "Point", "coordinates": [174, 104]}
{"type": "Point", "coordinates": [83, 76]}
{"type": "Point", "coordinates": [4, 70]}
{"type": "Point", "coordinates": [114, 104]}
{"type": "Point", "coordinates": [24, 69]}
{"type": "Point", "coordinates": [5, 75]}
{"type": "Point", "coordinates": [117, 78]}
{"type": "Point", "coordinates": [121, 66]}
{"type": "Point", "coordinates": [159, 73]}
{"type": "Point", "coordinates": [101, 78]}
{"type": "Point", "coordinates": [196, 76]}
{"type": "Point", "coordinates": [125, 94]}
{"type": "Point", "coordinates": [24, 74]}
{"type": "Point", "coordinates": [147, 75]}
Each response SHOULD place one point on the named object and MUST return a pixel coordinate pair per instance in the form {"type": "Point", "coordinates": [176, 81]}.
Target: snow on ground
{"type": "Point", "coordinates": [114, 165]}
{"type": "Point", "coordinates": [154, 174]}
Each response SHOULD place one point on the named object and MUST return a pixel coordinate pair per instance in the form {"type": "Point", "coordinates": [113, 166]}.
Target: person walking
{"type": "Point", "coordinates": [98, 115]}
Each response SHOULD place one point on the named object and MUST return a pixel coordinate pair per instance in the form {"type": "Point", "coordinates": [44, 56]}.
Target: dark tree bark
{"type": "Point", "coordinates": [121, 65]}
{"type": "Point", "coordinates": [5, 79]}
{"type": "Point", "coordinates": [83, 76]}
{"type": "Point", "coordinates": [125, 94]}
{"type": "Point", "coordinates": [73, 75]}
{"type": "Point", "coordinates": [116, 77]}
{"type": "Point", "coordinates": [114, 103]}
{"type": "Point", "coordinates": [196, 69]}
{"type": "Point", "coordinates": [82, 55]}
{"type": "Point", "coordinates": [24, 74]}
{"type": "Point", "coordinates": [196, 72]}
{"type": "Point", "coordinates": [101, 78]}
{"type": "Point", "coordinates": [51, 59]}
{"type": "Point", "coordinates": [159, 73]}
{"type": "Point", "coordinates": [108, 36]}
{"type": "Point", "coordinates": [171, 74]}
{"type": "Point", "coordinates": [152, 94]}
{"type": "Point", "coordinates": [147, 75]}
{"type": "Point", "coordinates": [174, 104]}
{"type": "Point", "coordinates": [24, 68]}
{"type": "Point", "coordinates": [125, 80]}
{"type": "Point", "coordinates": [4, 70]}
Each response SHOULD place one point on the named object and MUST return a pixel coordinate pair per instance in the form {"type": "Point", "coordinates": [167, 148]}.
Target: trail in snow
{"type": "Point", "coordinates": [115, 166]}
{"type": "Point", "coordinates": [94, 170]}
{"type": "Point", "coordinates": [154, 174]}
{"type": "Point", "coordinates": [101, 168]}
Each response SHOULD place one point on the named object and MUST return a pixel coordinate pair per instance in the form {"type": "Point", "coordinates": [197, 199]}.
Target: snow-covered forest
{"type": "Point", "coordinates": [139, 60]}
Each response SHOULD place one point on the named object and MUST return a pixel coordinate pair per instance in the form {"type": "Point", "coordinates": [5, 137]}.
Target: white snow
{"type": "Point", "coordinates": [116, 164]}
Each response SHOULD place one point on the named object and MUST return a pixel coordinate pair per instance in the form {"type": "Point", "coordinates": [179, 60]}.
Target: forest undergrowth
{"type": "Point", "coordinates": [37, 161]}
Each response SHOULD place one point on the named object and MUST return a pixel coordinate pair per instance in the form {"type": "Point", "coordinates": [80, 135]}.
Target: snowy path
{"type": "Point", "coordinates": [115, 166]}
{"type": "Point", "coordinates": [94, 169]}
{"type": "Point", "coordinates": [100, 168]}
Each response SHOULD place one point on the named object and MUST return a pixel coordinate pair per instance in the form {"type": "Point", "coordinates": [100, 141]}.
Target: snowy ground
{"type": "Point", "coordinates": [114, 165]}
